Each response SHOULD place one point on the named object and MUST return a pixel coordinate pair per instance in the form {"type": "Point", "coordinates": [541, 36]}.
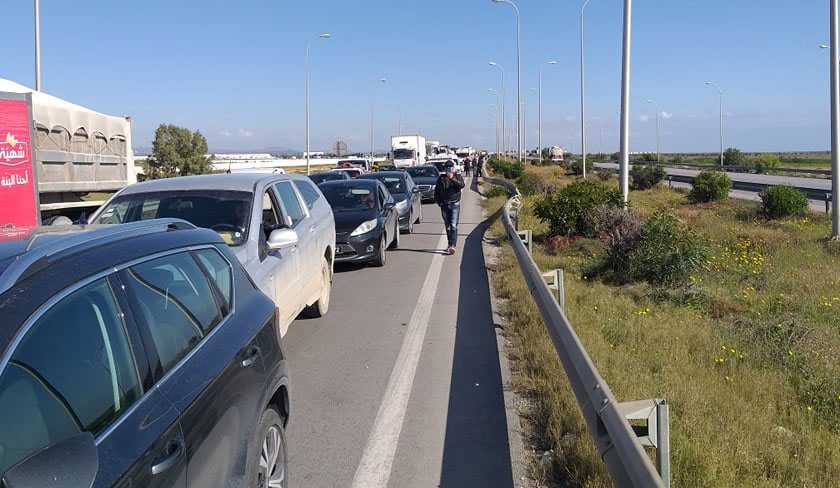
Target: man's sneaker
{"type": "Point", "coordinates": [451, 250]}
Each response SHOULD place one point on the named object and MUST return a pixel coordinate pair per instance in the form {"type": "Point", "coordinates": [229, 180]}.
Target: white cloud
{"type": "Point", "coordinates": [225, 133]}
{"type": "Point", "coordinates": [644, 118]}
{"type": "Point", "coordinates": [246, 133]}
{"type": "Point", "coordinates": [666, 115]}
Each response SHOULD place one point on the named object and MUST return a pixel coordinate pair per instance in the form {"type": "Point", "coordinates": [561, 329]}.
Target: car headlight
{"type": "Point", "coordinates": [402, 205]}
{"type": "Point", "coordinates": [365, 227]}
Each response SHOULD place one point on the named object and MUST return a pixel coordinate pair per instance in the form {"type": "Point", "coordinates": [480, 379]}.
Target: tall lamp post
{"type": "Point", "coordinates": [582, 94]}
{"type": "Point", "coordinates": [37, 45]}
{"type": "Point", "coordinates": [624, 169]}
{"type": "Point", "coordinates": [502, 94]}
{"type": "Point", "coordinates": [372, 132]}
{"type": "Point", "coordinates": [498, 119]}
{"type": "Point", "coordinates": [835, 123]}
{"type": "Point", "coordinates": [834, 69]}
{"type": "Point", "coordinates": [656, 107]}
{"type": "Point", "coordinates": [308, 47]}
{"type": "Point", "coordinates": [539, 102]}
{"type": "Point", "coordinates": [720, 92]}
{"type": "Point", "coordinates": [518, 79]}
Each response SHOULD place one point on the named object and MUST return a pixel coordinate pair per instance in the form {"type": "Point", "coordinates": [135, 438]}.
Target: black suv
{"type": "Point", "coordinates": [133, 355]}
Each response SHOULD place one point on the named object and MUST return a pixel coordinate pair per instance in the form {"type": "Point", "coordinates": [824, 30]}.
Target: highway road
{"type": "Point", "coordinates": [815, 184]}
{"type": "Point", "coordinates": [401, 384]}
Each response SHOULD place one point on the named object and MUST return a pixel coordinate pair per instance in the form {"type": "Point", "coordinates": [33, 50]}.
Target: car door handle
{"type": "Point", "coordinates": [251, 357]}
{"type": "Point", "coordinates": [173, 452]}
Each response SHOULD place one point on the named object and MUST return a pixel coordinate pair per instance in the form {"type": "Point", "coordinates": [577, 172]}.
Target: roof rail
{"type": "Point", "coordinates": [36, 256]}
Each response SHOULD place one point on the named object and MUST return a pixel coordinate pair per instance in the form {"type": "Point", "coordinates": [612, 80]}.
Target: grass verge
{"type": "Point", "coordinates": [747, 353]}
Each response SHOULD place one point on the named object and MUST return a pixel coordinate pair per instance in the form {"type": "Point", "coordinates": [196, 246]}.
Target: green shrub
{"type": "Point", "coordinates": [646, 176]}
{"type": "Point", "coordinates": [766, 162]}
{"type": "Point", "coordinates": [530, 184]}
{"type": "Point", "coordinates": [617, 227]}
{"type": "Point", "coordinates": [496, 191]}
{"type": "Point", "coordinates": [710, 186]}
{"type": "Point", "coordinates": [506, 168]}
{"type": "Point", "coordinates": [733, 157]}
{"type": "Point", "coordinates": [565, 210]}
{"type": "Point", "coordinates": [783, 201]}
{"type": "Point", "coordinates": [604, 174]}
{"type": "Point", "coordinates": [575, 166]}
{"type": "Point", "coordinates": [667, 252]}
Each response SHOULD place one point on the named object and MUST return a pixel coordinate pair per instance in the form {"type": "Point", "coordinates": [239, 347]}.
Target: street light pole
{"type": "Point", "coordinates": [502, 71]}
{"type": "Point", "coordinates": [720, 92]}
{"type": "Point", "coordinates": [518, 78]}
{"type": "Point", "coordinates": [625, 102]}
{"type": "Point", "coordinates": [498, 121]}
{"type": "Point", "coordinates": [539, 129]}
{"type": "Point", "coordinates": [656, 107]}
{"type": "Point", "coordinates": [308, 46]}
{"type": "Point", "coordinates": [835, 121]}
{"type": "Point", "coordinates": [37, 45]}
{"type": "Point", "coordinates": [582, 94]}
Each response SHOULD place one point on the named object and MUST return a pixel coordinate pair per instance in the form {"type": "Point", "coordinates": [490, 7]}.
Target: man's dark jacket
{"type": "Point", "coordinates": [448, 190]}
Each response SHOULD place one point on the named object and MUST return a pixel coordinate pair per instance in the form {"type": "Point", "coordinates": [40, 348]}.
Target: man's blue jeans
{"type": "Point", "coordinates": [450, 213]}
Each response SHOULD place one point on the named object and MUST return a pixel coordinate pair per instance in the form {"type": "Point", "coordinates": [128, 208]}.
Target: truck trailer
{"type": "Point", "coordinates": [408, 151]}
{"type": "Point", "coordinates": [76, 151]}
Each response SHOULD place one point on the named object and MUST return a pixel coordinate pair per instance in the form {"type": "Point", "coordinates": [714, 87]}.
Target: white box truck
{"type": "Point", "coordinates": [408, 150]}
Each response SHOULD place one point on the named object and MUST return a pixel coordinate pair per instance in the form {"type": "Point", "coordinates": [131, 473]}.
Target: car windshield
{"type": "Point", "coordinates": [319, 178]}
{"type": "Point", "coordinates": [226, 212]}
{"type": "Point", "coordinates": [345, 198]}
{"type": "Point", "coordinates": [421, 171]}
{"type": "Point", "coordinates": [403, 153]}
{"type": "Point", "coordinates": [441, 165]}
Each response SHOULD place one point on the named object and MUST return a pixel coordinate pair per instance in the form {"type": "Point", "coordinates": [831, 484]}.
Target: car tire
{"type": "Point", "coordinates": [322, 306]}
{"type": "Point", "coordinates": [395, 244]}
{"type": "Point", "coordinates": [269, 445]}
{"type": "Point", "coordinates": [380, 259]}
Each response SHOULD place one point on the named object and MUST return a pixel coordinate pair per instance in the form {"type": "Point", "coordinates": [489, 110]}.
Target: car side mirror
{"type": "Point", "coordinates": [415, 190]}
{"type": "Point", "coordinates": [71, 462]}
{"type": "Point", "coordinates": [282, 239]}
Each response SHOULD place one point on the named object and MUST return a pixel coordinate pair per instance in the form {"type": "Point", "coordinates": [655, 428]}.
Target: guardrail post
{"type": "Point", "coordinates": [827, 202]}
{"type": "Point", "coordinates": [559, 285]}
{"type": "Point", "coordinates": [663, 434]}
{"type": "Point", "coordinates": [527, 237]}
{"type": "Point", "coordinates": [670, 180]}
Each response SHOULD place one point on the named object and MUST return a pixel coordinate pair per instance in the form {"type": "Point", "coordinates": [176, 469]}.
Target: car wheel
{"type": "Point", "coordinates": [269, 465]}
{"type": "Point", "coordinates": [380, 258]}
{"type": "Point", "coordinates": [320, 308]}
{"type": "Point", "coordinates": [396, 242]}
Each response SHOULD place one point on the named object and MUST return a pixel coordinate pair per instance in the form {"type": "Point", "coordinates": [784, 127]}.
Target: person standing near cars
{"type": "Point", "coordinates": [448, 197]}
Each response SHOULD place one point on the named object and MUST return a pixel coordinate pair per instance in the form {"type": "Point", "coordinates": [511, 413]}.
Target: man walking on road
{"type": "Point", "coordinates": [448, 197]}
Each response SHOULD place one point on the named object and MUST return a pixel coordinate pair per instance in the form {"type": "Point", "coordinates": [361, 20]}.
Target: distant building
{"type": "Point", "coordinates": [315, 154]}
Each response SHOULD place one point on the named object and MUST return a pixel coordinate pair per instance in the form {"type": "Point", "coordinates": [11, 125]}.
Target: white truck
{"type": "Point", "coordinates": [408, 151]}
{"type": "Point", "coordinates": [465, 152]}
{"type": "Point", "coordinates": [77, 151]}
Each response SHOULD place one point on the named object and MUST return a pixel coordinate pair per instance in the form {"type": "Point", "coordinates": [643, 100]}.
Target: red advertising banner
{"type": "Point", "coordinates": [18, 191]}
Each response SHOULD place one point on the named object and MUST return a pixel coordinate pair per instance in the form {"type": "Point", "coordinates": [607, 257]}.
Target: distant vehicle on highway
{"type": "Point", "coordinates": [425, 177]}
{"type": "Point", "coordinates": [319, 178]}
{"type": "Point", "coordinates": [441, 164]}
{"type": "Point", "coordinates": [279, 226]}
{"type": "Point", "coordinates": [366, 220]}
{"type": "Point", "coordinates": [129, 354]}
{"type": "Point", "coordinates": [408, 150]}
{"type": "Point", "coordinates": [406, 194]}
{"type": "Point", "coordinates": [388, 167]}
{"type": "Point", "coordinates": [355, 163]}
{"type": "Point", "coordinates": [351, 172]}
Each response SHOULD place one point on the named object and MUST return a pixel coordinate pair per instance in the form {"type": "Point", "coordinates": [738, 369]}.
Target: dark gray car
{"type": "Point", "coordinates": [425, 177]}
{"type": "Point", "coordinates": [406, 195]}
{"type": "Point", "coordinates": [133, 355]}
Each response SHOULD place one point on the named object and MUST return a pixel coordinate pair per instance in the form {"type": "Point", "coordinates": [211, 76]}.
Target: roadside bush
{"type": "Point", "coordinates": [733, 157]}
{"type": "Point", "coordinates": [496, 191]}
{"type": "Point", "coordinates": [530, 184]}
{"type": "Point", "coordinates": [575, 167]}
{"type": "Point", "coordinates": [667, 252]}
{"type": "Point", "coordinates": [710, 186]}
{"type": "Point", "coordinates": [506, 168]}
{"type": "Point", "coordinates": [603, 174]}
{"type": "Point", "coordinates": [565, 210]}
{"type": "Point", "coordinates": [783, 201]}
{"type": "Point", "coordinates": [617, 227]}
{"type": "Point", "coordinates": [766, 162]}
{"type": "Point", "coordinates": [646, 176]}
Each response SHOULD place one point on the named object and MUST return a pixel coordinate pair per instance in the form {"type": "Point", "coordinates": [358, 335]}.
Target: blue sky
{"type": "Point", "coordinates": [234, 70]}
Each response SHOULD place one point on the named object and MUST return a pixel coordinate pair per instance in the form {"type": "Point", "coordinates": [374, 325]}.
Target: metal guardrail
{"type": "Point", "coordinates": [617, 442]}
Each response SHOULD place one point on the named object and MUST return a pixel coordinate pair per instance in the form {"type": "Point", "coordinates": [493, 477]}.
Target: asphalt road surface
{"type": "Point", "coordinates": [400, 384]}
{"type": "Point", "coordinates": [797, 181]}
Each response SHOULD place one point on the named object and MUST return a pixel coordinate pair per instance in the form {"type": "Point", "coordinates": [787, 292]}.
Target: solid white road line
{"type": "Point", "coordinates": [375, 467]}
